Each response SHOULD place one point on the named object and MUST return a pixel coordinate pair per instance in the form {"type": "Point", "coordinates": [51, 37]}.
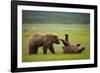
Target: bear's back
{"type": "Point", "coordinates": [38, 37]}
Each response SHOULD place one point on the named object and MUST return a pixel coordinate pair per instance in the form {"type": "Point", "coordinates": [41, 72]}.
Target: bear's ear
{"type": "Point", "coordinates": [78, 45]}
{"type": "Point", "coordinates": [55, 36]}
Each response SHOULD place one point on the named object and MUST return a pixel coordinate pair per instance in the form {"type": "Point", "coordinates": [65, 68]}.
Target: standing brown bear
{"type": "Point", "coordinates": [42, 40]}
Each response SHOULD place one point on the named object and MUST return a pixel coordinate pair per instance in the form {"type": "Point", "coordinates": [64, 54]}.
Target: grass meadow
{"type": "Point", "coordinates": [78, 33]}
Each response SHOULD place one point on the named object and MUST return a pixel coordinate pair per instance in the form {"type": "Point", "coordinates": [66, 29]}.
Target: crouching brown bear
{"type": "Point", "coordinates": [70, 48]}
{"type": "Point", "coordinates": [42, 40]}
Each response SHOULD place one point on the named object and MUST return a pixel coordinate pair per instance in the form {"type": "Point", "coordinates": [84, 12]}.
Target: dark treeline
{"type": "Point", "coordinates": [45, 17]}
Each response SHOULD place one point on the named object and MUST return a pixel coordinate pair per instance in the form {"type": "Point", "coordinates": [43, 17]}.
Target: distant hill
{"type": "Point", "coordinates": [45, 17]}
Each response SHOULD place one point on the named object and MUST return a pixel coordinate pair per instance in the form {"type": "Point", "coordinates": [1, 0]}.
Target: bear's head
{"type": "Point", "coordinates": [53, 38]}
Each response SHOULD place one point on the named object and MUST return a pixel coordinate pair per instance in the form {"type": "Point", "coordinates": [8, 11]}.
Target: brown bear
{"type": "Point", "coordinates": [70, 48]}
{"type": "Point", "coordinates": [42, 40]}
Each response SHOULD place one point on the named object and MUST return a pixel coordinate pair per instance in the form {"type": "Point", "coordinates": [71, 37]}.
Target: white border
{"type": "Point", "coordinates": [53, 63]}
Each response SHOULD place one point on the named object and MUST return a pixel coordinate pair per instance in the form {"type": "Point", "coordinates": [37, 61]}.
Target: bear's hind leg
{"type": "Point", "coordinates": [44, 50]}
{"type": "Point", "coordinates": [35, 50]}
{"type": "Point", "coordinates": [31, 49]}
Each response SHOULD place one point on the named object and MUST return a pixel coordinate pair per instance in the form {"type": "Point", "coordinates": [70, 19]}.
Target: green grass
{"type": "Point", "coordinates": [78, 33]}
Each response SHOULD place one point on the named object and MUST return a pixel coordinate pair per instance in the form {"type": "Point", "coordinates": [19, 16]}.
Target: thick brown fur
{"type": "Point", "coordinates": [70, 48]}
{"type": "Point", "coordinates": [42, 40]}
